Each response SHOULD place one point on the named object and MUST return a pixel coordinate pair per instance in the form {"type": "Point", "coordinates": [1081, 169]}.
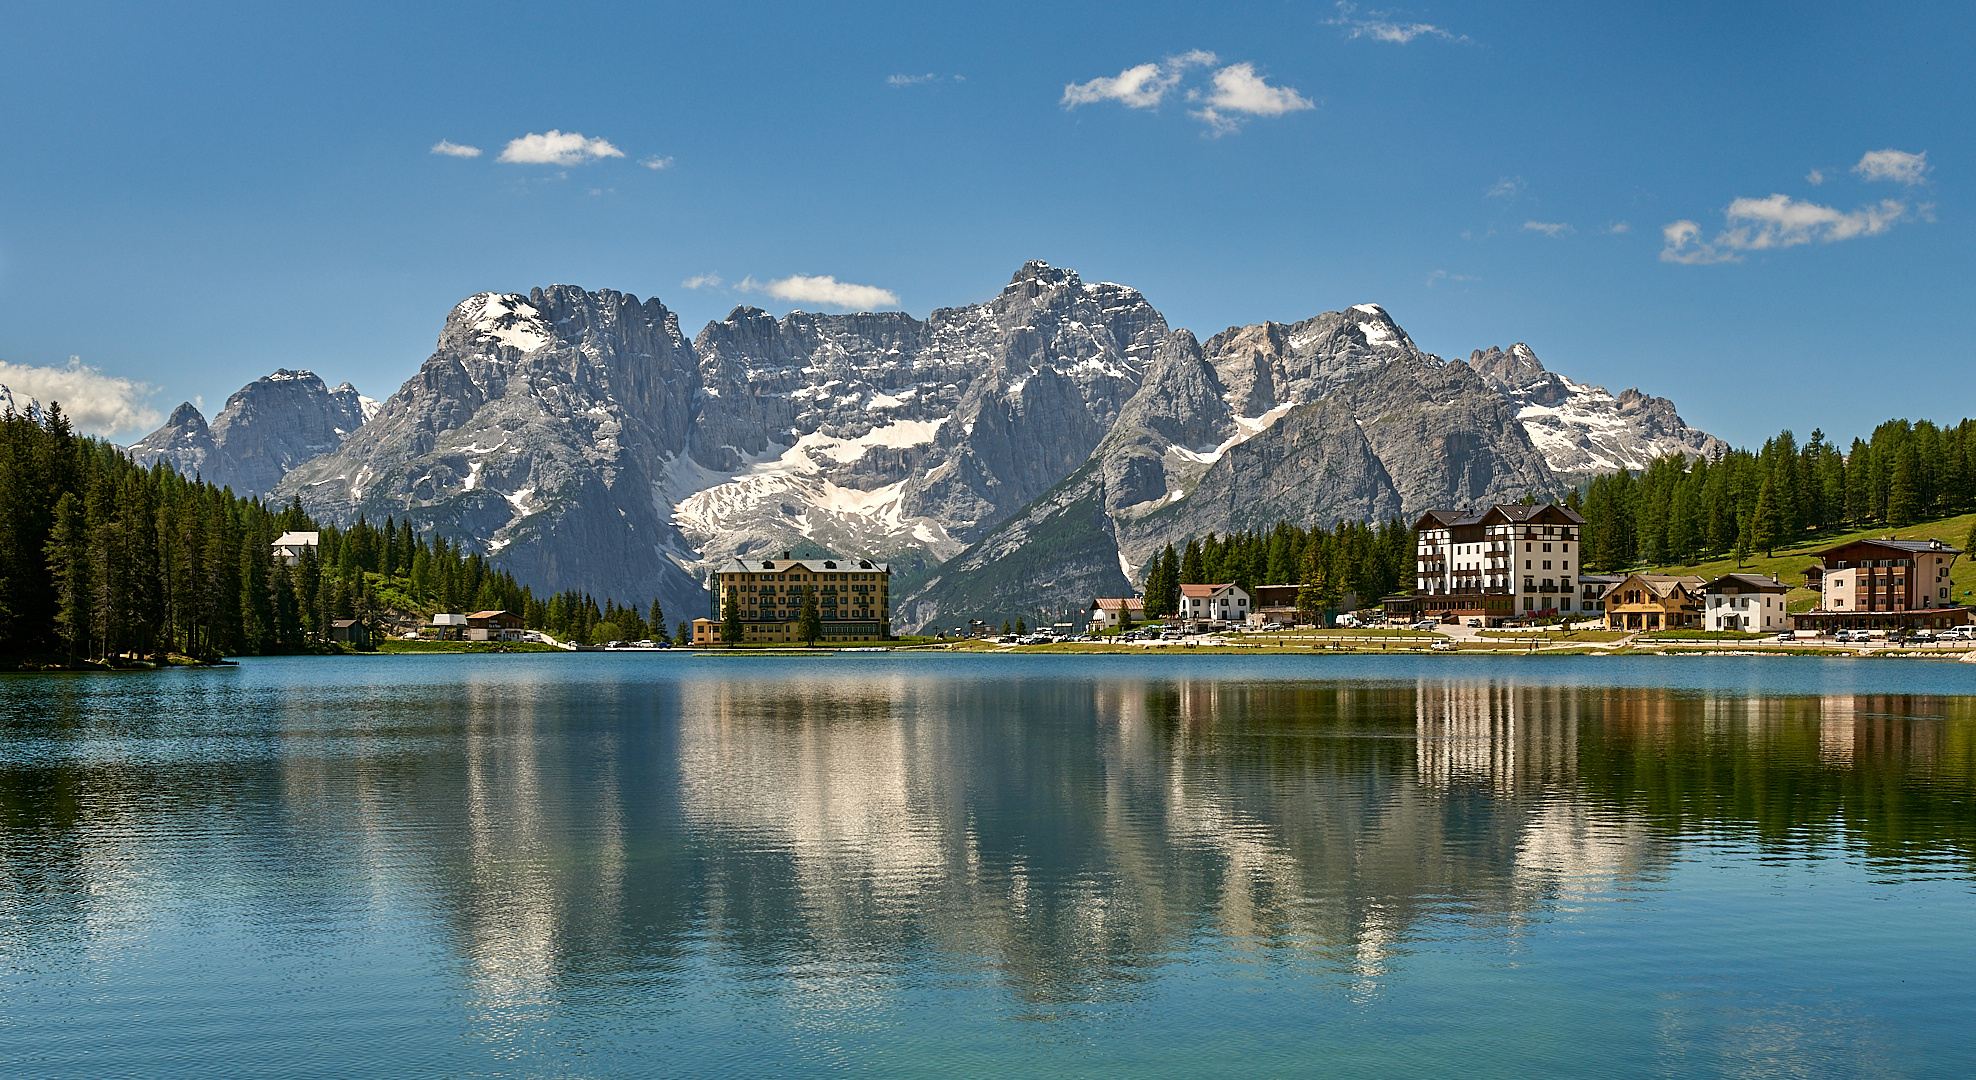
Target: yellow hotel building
{"type": "Point", "coordinates": [854, 596]}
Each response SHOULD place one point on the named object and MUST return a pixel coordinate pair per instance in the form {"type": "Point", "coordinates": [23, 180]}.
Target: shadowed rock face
{"type": "Point", "coordinates": [268, 427]}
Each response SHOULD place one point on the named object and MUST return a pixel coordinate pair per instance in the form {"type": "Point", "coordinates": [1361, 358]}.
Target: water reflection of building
{"type": "Point", "coordinates": [1499, 735]}
{"type": "Point", "coordinates": [1884, 728]}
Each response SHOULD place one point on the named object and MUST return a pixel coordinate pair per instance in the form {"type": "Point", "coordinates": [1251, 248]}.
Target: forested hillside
{"type": "Point", "coordinates": [101, 558]}
{"type": "Point", "coordinates": [1681, 511]}
{"type": "Point", "coordinates": [1355, 556]}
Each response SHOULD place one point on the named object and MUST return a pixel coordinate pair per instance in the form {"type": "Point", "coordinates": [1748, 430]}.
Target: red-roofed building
{"type": "Point", "coordinates": [1214, 603]}
{"type": "Point", "coordinates": [1106, 611]}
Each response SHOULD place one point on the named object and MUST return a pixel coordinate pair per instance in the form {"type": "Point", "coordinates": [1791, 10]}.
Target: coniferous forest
{"type": "Point", "coordinates": [102, 559]}
{"type": "Point", "coordinates": [1680, 511]}
{"type": "Point", "coordinates": [1353, 556]}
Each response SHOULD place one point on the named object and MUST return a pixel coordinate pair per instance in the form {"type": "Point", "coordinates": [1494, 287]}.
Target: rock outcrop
{"type": "Point", "coordinates": [1585, 429]}
{"type": "Point", "coordinates": [539, 430]}
{"type": "Point", "coordinates": [267, 428]}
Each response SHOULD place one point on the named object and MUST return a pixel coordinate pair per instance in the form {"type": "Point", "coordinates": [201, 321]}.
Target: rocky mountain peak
{"type": "Point", "coordinates": [1582, 428]}
{"type": "Point", "coordinates": [28, 407]}
{"type": "Point", "coordinates": [268, 427]}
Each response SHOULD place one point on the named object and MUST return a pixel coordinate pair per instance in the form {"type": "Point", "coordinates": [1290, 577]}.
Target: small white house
{"type": "Point", "coordinates": [1746, 602]}
{"type": "Point", "coordinates": [1214, 603]}
{"type": "Point", "coordinates": [1106, 612]}
{"type": "Point", "coordinates": [288, 547]}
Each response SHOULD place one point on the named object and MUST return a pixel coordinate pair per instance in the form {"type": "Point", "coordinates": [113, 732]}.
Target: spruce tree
{"type": "Point", "coordinates": [1766, 523]}
{"type": "Point", "coordinates": [1903, 494]}
{"type": "Point", "coordinates": [809, 622]}
{"type": "Point", "coordinates": [731, 630]}
{"type": "Point", "coordinates": [1020, 626]}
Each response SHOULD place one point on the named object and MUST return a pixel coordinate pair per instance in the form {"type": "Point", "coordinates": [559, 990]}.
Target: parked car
{"type": "Point", "coordinates": [1848, 636]}
{"type": "Point", "coordinates": [1787, 637]}
{"type": "Point", "coordinates": [1424, 624]}
{"type": "Point", "coordinates": [1443, 645]}
{"type": "Point", "coordinates": [1957, 633]}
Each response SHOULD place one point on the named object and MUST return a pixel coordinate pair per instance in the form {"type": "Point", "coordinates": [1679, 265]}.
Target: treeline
{"type": "Point", "coordinates": [1354, 556]}
{"type": "Point", "coordinates": [103, 559]}
{"type": "Point", "coordinates": [1681, 511]}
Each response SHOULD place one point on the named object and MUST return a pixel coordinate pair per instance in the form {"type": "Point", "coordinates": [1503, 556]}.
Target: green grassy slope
{"type": "Point", "coordinates": [1787, 563]}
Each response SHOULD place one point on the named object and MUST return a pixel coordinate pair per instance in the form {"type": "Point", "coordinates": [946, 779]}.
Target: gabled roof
{"type": "Point", "coordinates": [818, 565]}
{"type": "Point", "coordinates": [1910, 547]}
{"type": "Point", "coordinates": [1113, 603]}
{"type": "Point", "coordinates": [491, 614]}
{"type": "Point", "coordinates": [1745, 583]}
{"type": "Point", "coordinates": [1205, 590]}
{"type": "Point", "coordinates": [1507, 513]}
{"type": "Point", "coordinates": [298, 539]}
{"type": "Point", "coordinates": [1663, 585]}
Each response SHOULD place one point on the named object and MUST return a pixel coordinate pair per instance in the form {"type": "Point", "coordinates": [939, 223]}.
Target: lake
{"type": "Point", "coordinates": [960, 866]}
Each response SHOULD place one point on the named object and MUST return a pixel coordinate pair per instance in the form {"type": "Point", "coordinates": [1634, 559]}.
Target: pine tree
{"type": "Point", "coordinates": [1903, 494]}
{"type": "Point", "coordinates": [1767, 523]}
{"type": "Point", "coordinates": [68, 563]}
{"type": "Point", "coordinates": [657, 618]}
{"type": "Point", "coordinates": [685, 634]}
{"type": "Point", "coordinates": [731, 630]}
{"type": "Point", "coordinates": [1020, 626]}
{"type": "Point", "coordinates": [809, 623]}
{"type": "Point", "coordinates": [1193, 571]}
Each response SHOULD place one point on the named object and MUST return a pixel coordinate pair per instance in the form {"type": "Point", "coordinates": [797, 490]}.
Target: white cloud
{"type": "Point", "coordinates": [96, 403]}
{"type": "Point", "coordinates": [824, 290]}
{"type": "Point", "coordinates": [1505, 188]}
{"type": "Point", "coordinates": [655, 162]}
{"type": "Point", "coordinates": [1815, 177]}
{"type": "Point", "coordinates": [701, 281]}
{"type": "Point", "coordinates": [1443, 275]}
{"type": "Point", "coordinates": [919, 80]}
{"type": "Point", "coordinates": [1138, 87]}
{"type": "Point", "coordinates": [1238, 89]}
{"type": "Point", "coordinates": [453, 149]}
{"type": "Point", "coordinates": [556, 148]}
{"type": "Point", "coordinates": [1897, 165]}
{"type": "Point", "coordinates": [1552, 229]}
{"type": "Point", "coordinates": [1777, 221]}
{"type": "Point", "coordinates": [1380, 26]}
{"type": "Point", "coordinates": [1619, 228]}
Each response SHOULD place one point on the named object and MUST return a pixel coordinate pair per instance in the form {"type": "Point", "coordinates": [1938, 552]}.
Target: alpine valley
{"type": "Point", "coordinates": [1010, 457]}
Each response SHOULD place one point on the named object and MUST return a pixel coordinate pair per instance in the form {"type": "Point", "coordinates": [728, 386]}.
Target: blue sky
{"type": "Point", "coordinates": [190, 198]}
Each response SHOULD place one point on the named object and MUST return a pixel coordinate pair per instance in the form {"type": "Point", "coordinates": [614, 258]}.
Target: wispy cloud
{"type": "Point", "coordinates": [1619, 228]}
{"type": "Point", "coordinates": [921, 80]}
{"type": "Point", "coordinates": [1238, 89]}
{"type": "Point", "coordinates": [96, 403]}
{"type": "Point", "coordinates": [453, 149]}
{"type": "Point", "coordinates": [1552, 229]}
{"type": "Point", "coordinates": [1443, 275]}
{"type": "Point", "coordinates": [1507, 187]}
{"type": "Point", "coordinates": [1139, 87]}
{"type": "Point", "coordinates": [1815, 177]}
{"type": "Point", "coordinates": [824, 290]}
{"type": "Point", "coordinates": [656, 162]}
{"type": "Point", "coordinates": [1382, 26]}
{"type": "Point", "coordinates": [1898, 166]}
{"type": "Point", "coordinates": [557, 148]}
{"type": "Point", "coordinates": [1778, 221]}
{"type": "Point", "coordinates": [701, 281]}
{"type": "Point", "coordinates": [1233, 94]}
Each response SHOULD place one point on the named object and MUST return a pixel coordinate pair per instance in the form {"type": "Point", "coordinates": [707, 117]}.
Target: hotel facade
{"type": "Point", "coordinates": [853, 596]}
{"type": "Point", "coordinates": [1504, 562]}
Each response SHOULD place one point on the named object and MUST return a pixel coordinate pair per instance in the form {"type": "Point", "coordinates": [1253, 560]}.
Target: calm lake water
{"type": "Point", "coordinates": [602, 865]}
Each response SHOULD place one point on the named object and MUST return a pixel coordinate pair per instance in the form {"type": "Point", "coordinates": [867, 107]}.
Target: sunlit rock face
{"type": "Point", "coordinates": [539, 431]}
{"type": "Point", "coordinates": [1585, 429]}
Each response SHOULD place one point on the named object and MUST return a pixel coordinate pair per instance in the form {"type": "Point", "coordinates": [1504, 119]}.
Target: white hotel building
{"type": "Point", "coordinates": [1505, 562]}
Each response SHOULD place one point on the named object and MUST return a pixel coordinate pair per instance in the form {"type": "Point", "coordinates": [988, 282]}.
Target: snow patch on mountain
{"type": "Point", "coordinates": [1581, 428]}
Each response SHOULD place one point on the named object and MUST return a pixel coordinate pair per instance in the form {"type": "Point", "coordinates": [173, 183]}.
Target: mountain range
{"type": "Point", "coordinates": [1008, 457]}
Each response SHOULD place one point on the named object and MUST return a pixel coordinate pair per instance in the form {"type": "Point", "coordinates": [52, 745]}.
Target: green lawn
{"type": "Point", "coordinates": [1549, 636]}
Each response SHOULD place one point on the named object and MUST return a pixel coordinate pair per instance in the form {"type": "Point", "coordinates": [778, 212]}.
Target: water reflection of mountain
{"type": "Point", "coordinates": [1064, 837]}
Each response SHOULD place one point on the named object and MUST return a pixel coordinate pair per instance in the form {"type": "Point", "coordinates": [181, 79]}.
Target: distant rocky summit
{"type": "Point", "coordinates": [267, 428]}
{"type": "Point", "coordinates": [1003, 456]}
{"type": "Point", "coordinates": [1585, 429]}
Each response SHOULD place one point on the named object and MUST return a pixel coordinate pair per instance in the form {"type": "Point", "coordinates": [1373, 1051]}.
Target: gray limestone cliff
{"type": "Point", "coordinates": [538, 430]}
{"type": "Point", "coordinates": [267, 428]}
{"type": "Point", "coordinates": [1585, 429]}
